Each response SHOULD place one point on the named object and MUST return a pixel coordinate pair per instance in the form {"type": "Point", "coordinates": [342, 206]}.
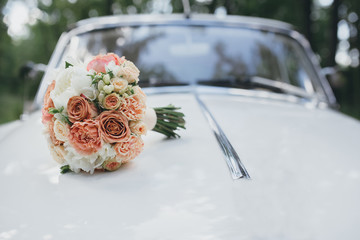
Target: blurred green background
{"type": "Point", "coordinates": [29, 30]}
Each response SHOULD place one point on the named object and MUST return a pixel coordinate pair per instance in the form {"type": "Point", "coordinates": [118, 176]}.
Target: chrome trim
{"type": "Point", "coordinates": [214, 90]}
{"type": "Point", "coordinates": [287, 88]}
{"type": "Point", "coordinates": [329, 94]}
{"type": "Point", "coordinates": [237, 169]}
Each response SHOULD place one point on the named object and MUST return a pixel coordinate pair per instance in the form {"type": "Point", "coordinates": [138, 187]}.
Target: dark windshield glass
{"type": "Point", "coordinates": [177, 55]}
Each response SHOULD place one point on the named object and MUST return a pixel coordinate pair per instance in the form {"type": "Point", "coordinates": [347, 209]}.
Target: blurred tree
{"type": "Point", "coordinates": [319, 23]}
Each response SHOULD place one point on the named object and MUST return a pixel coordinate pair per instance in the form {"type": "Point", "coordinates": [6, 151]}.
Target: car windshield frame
{"type": "Point", "coordinates": [320, 92]}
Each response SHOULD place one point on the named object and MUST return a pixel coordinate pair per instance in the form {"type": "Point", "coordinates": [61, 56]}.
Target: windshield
{"type": "Point", "coordinates": [185, 55]}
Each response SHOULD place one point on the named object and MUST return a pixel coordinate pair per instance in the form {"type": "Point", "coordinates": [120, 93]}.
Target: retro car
{"type": "Point", "coordinates": [265, 155]}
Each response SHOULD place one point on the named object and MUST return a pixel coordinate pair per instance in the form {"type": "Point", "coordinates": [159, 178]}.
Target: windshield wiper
{"type": "Point", "coordinates": [255, 82]}
{"type": "Point", "coordinates": [160, 83]}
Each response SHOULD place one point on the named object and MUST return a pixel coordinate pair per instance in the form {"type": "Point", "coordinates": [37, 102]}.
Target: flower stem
{"type": "Point", "coordinates": [169, 120]}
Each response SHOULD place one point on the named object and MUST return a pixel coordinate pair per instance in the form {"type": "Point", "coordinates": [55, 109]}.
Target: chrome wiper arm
{"type": "Point", "coordinates": [280, 86]}
{"type": "Point", "coordinates": [251, 82]}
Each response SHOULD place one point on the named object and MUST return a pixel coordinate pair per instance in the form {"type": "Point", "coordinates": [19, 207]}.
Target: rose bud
{"type": "Point", "coordinates": [108, 88]}
{"type": "Point", "coordinates": [138, 127]}
{"type": "Point", "coordinates": [101, 85]}
{"type": "Point", "coordinates": [106, 79]}
{"type": "Point", "coordinates": [111, 165]}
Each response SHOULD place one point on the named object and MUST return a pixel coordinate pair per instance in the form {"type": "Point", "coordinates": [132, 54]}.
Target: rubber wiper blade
{"type": "Point", "coordinates": [225, 82]}
{"type": "Point", "coordinates": [161, 83]}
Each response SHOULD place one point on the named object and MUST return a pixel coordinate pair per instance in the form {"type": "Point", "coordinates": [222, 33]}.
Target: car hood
{"type": "Point", "coordinates": [303, 162]}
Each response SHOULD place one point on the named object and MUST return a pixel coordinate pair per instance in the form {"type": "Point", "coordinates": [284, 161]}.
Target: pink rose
{"type": "Point", "coordinates": [114, 126]}
{"type": "Point", "coordinates": [85, 137]}
{"type": "Point", "coordinates": [99, 62]}
{"type": "Point", "coordinates": [78, 109]}
{"type": "Point", "coordinates": [126, 151]}
{"type": "Point", "coordinates": [48, 103]}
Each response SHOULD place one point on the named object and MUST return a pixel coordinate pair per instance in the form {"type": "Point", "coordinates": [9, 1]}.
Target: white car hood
{"type": "Point", "coordinates": [303, 162]}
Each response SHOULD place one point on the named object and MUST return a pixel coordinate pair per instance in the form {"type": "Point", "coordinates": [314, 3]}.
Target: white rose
{"type": "Point", "coordinates": [107, 151]}
{"type": "Point", "coordinates": [70, 82]}
{"type": "Point", "coordinates": [61, 130]}
{"type": "Point", "coordinates": [150, 118]}
{"type": "Point", "coordinates": [90, 93]}
{"type": "Point", "coordinates": [138, 127]}
{"type": "Point", "coordinates": [129, 71]}
{"type": "Point", "coordinates": [61, 99]}
{"type": "Point", "coordinates": [80, 80]}
{"type": "Point", "coordinates": [88, 163]}
{"type": "Point", "coordinates": [112, 67]}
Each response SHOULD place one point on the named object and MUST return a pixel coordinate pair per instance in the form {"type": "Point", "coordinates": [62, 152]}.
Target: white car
{"type": "Point", "coordinates": [264, 155]}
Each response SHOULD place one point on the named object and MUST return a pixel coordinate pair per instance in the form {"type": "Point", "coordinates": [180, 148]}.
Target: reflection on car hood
{"type": "Point", "coordinates": [304, 165]}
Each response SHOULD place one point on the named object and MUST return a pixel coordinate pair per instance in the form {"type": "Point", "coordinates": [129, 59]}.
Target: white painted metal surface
{"type": "Point", "coordinates": [304, 165]}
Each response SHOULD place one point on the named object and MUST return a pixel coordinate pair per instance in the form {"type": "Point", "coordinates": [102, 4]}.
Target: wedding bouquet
{"type": "Point", "coordinates": [96, 114]}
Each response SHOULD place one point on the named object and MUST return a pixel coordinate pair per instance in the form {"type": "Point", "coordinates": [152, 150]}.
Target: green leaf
{"type": "Point", "coordinates": [111, 74]}
{"type": "Point", "coordinates": [55, 110]}
{"type": "Point", "coordinates": [67, 64]}
{"type": "Point", "coordinates": [65, 169]}
{"type": "Point", "coordinates": [66, 118]}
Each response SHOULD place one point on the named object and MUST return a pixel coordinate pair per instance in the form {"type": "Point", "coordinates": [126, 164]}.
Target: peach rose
{"type": "Point", "coordinates": [78, 109]}
{"type": "Point", "coordinates": [129, 71]}
{"type": "Point", "coordinates": [58, 153]}
{"type": "Point", "coordinates": [138, 127]}
{"type": "Point", "coordinates": [85, 137]}
{"type": "Point", "coordinates": [113, 126]}
{"type": "Point", "coordinates": [139, 95]}
{"type": "Point", "coordinates": [120, 84]}
{"type": "Point", "coordinates": [126, 151]}
{"type": "Point", "coordinates": [112, 101]}
{"type": "Point", "coordinates": [99, 62]}
{"type": "Point", "coordinates": [61, 130]}
{"type": "Point", "coordinates": [48, 103]}
{"type": "Point", "coordinates": [133, 108]}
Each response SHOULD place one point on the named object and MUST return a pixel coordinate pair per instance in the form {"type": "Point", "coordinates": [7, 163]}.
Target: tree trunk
{"type": "Point", "coordinates": [308, 22]}
{"type": "Point", "coordinates": [333, 31]}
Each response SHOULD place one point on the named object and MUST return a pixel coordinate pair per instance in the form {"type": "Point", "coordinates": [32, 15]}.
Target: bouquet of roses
{"type": "Point", "coordinates": [96, 114]}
